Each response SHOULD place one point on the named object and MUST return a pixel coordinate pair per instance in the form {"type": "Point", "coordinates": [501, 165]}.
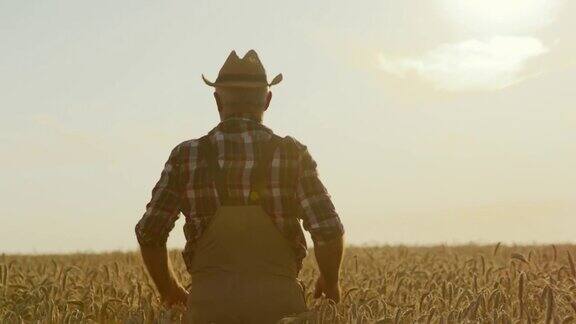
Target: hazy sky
{"type": "Point", "coordinates": [441, 121]}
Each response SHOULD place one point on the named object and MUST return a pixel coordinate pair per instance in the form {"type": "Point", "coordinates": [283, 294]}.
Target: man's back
{"type": "Point", "coordinates": [293, 188]}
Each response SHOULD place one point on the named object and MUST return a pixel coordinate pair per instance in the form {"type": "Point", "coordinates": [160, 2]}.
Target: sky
{"type": "Point", "coordinates": [432, 122]}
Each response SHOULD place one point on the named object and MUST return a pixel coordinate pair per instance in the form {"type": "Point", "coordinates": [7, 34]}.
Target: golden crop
{"type": "Point", "coordinates": [465, 284]}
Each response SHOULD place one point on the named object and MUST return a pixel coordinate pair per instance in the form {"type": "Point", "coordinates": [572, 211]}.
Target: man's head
{"type": "Point", "coordinates": [242, 87]}
{"type": "Point", "coordinates": [250, 102]}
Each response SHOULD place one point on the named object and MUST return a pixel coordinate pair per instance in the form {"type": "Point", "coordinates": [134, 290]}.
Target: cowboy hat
{"type": "Point", "coordinates": [245, 72]}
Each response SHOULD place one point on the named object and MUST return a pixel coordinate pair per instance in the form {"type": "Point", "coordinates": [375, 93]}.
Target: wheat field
{"type": "Point", "coordinates": [462, 284]}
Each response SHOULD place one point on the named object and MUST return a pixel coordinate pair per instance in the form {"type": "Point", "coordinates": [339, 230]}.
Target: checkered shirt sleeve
{"type": "Point", "coordinates": [163, 209]}
{"type": "Point", "coordinates": [314, 204]}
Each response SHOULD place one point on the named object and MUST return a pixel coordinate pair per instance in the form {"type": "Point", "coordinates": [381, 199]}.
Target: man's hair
{"type": "Point", "coordinates": [243, 99]}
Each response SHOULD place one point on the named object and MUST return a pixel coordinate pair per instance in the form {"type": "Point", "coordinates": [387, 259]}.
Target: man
{"type": "Point", "coordinates": [243, 190]}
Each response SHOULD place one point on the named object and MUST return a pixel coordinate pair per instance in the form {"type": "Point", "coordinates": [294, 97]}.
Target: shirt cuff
{"type": "Point", "coordinates": [145, 239]}
{"type": "Point", "coordinates": [323, 235]}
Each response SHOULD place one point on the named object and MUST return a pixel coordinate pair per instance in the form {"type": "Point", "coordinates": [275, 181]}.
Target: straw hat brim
{"type": "Point", "coordinates": [243, 84]}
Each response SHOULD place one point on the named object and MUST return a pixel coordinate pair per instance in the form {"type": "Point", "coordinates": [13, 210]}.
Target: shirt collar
{"type": "Point", "coordinates": [242, 120]}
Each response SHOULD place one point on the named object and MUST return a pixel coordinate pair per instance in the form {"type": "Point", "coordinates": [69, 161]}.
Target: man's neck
{"type": "Point", "coordinates": [249, 116]}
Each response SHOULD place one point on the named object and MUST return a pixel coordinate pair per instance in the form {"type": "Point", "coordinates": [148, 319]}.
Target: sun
{"type": "Point", "coordinates": [501, 16]}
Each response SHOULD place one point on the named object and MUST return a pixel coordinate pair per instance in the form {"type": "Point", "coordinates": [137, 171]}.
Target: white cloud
{"type": "Point", "coordinates": [471, 64]}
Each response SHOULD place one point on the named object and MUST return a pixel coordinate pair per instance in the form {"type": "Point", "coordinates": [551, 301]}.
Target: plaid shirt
{"type": "Point", "coordinates": [184, 187]}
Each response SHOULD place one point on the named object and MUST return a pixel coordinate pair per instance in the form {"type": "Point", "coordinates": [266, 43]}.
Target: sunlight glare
{"type": "Point", "coordinates": [497, 16]}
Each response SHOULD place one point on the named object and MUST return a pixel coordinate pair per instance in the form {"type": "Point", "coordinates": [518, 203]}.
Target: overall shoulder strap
{"type": "Point", "coordinates": [210, 153]}
{"type": "Point", "coordinates": [260, 172]}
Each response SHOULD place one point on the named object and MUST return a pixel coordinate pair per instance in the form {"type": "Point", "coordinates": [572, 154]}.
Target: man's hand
{"type": "Point", "coordinates": [159, 267]}
{"type": "Point", "coordinates": [330, 290]}
{"type": "Point", "coordinates": [329, 256]}
{"type": "Point", "coordinates": [176, 295]}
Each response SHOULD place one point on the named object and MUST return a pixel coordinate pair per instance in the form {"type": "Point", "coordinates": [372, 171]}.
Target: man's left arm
{"type": "Point", "coordinates": [154, 227]}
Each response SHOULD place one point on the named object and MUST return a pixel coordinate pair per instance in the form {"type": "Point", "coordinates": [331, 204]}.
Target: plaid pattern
{"type": "Point", "coordinates": [295, 190]}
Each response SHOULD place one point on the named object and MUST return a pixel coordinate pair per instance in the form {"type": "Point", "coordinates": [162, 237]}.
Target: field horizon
{"type": "Point", "coordinates": [310, 248]}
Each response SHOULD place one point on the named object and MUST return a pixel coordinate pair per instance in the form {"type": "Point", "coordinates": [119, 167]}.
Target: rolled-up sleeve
{"type": "Point", "coordinates": [163, 209]}
{"type": "Point", "coordinates": [315, 206]}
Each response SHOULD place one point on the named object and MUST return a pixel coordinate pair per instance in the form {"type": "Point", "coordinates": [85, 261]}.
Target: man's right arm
{"type": "Point", "coordinates": [321, 220]}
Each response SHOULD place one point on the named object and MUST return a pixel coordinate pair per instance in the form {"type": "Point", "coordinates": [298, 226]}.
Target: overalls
{"type": "Point", "coordinates": [243, 269]}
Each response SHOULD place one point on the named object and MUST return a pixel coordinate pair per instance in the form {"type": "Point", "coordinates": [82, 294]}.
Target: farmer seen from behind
{"type": "Point", "coordinates": [246, 193]}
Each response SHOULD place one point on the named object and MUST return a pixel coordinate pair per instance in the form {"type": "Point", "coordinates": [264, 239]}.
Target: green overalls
{"type": "Point", "coordinates": [243, 269]}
